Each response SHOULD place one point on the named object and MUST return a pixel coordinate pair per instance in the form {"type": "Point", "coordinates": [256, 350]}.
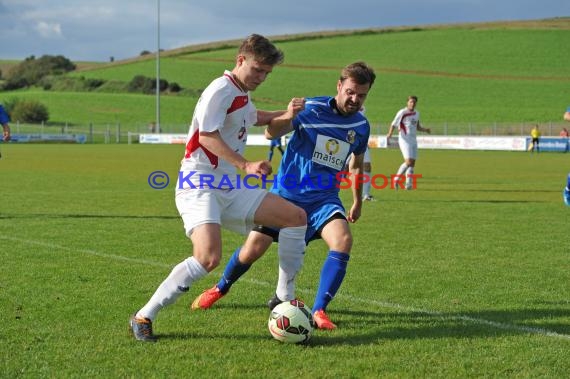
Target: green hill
{"type": "Point", "coordinates": [504, 72]}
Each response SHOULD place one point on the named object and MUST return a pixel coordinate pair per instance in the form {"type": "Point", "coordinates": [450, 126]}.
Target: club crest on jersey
{"type": "Point", "coordinates": [351, 136]}
{"type": "Point", "coordinates": [332, 146]}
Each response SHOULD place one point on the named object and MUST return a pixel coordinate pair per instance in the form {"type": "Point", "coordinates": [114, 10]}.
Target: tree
{"type": "Point", "coordinates": [32, 70]}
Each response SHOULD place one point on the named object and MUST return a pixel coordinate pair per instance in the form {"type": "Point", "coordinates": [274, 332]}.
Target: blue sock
{"type": "Point", "coordinates": [234, 270]}
{"type": "Point", "coordinates": [332, 274]}
{"type": "Point", "coordinates": [568, 182]}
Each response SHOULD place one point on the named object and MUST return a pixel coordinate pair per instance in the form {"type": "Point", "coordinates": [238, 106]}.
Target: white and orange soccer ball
{"type": "Point", "coordinates": [291, 322]}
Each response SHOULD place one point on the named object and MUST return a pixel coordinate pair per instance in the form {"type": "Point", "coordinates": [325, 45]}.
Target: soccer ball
{"type": "Point", "coordinates": [291, 322]}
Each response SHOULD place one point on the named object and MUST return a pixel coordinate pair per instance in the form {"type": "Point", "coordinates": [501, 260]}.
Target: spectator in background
{"type": "Point", "coordinates": [535, 135]}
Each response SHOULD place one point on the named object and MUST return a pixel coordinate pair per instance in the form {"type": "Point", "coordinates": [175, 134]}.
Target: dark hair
{"type": "Point", "coordinates": [360, 72]}
{"type": "Point", "coordinates": [261, 49]}
{"type": "Point", "coordinates": [413, 97]}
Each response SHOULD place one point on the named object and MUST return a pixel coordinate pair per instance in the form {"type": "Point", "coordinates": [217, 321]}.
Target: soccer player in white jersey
{"type": "Point", "coordinates": [325, 134]}
{"type": "Point", "coordinates": [208, 192]}
{"type": "Point", "coordinates": [407, 121]}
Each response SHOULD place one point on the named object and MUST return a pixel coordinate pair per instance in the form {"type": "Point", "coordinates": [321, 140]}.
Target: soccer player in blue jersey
{"type": "Point", "coordinates": [326, 132]}
{"type": "Point", "coordinates": [4, 120]}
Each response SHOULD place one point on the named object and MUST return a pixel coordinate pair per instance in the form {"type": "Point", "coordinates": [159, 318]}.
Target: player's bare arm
{"type": "Point", "coordinates": [214, 143]}
{"type": "Point", "coordinates": [356, 169]}
{"type": "Point", "coordinates": [422, 129]}
{"type": "Point", "coordinates": [390, 131]}
{"type": "Point", "coordinates": [6, 132]}
{"type": "Point", "coordinates": [264, 117]}
{"type": "Point", "coordinates": [282, 125]}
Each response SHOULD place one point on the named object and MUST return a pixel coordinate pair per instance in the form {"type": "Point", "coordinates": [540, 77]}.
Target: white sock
{"type": "Point", "coordinates": [367, 185]}
{"type": "Point", "coordinates": [402, 168]}
{"type": "Point", "coordinates": [401, 171]}
{"type": "Point", "coordinates": [291, 250]}
{"type": "Point", "coordinates": [409, 171]}
{"type": "Point", "coordinates": [177, 283]}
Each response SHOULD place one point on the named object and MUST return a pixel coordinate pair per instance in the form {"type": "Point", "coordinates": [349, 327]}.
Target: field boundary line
{"type": "Point", "coordinates": [400, 307]}
{"type": "Point", "coordinates": [86, 251]}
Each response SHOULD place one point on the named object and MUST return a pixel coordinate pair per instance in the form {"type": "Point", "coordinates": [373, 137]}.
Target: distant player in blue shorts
{"type": "Point", "coordinates": [4, 120]}
{"type": "Point", "coordinates": [275, 143]}
{"type": "Point", "coordinates": [326, 132]}
{"type": "Point", "coordinates": [566, 192]}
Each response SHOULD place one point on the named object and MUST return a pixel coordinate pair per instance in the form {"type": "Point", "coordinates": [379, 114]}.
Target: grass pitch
{"type": "Point", "coordinates": [465, 277]}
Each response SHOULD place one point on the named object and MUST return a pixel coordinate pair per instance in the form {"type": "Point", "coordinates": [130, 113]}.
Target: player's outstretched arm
{"type": "Point", "coordinates": [282, 125]}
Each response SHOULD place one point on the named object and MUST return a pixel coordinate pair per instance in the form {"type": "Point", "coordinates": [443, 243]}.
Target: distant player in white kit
{"type": "Point", "coordinates": [208, 192]}
{"type": "Point", "coordinates": [407, 121]}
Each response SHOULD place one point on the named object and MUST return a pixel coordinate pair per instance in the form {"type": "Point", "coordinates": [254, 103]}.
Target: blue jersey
{"type": "Point", "coordinates": [4, 118]}
{"type": "Point", "coordinates": [318, 149]}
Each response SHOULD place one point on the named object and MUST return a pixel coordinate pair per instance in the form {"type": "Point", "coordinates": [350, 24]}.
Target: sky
{"type": "Point", "coordinates": [96, 30]}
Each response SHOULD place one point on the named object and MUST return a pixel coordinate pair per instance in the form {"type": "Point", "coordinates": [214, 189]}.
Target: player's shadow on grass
{"type": "Point", "coordinates": [364, 328]}
{"type": "Point", "coordinates": [368, 328]}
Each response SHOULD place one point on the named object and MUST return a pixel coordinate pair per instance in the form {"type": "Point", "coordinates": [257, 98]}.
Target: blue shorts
{"type": "Point", "coordinates": [4, 118]}
{"type": "Point", "coordinates": [319, 214]}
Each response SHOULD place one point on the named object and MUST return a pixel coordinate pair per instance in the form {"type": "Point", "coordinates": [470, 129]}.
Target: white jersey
{"type": "Point", "coordinates": [407, 123]}
{"type": "Point", "coordinates": [223, 107]}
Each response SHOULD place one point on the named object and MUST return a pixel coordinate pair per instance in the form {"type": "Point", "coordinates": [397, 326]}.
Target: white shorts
{"type": "Point", "coordinates": [409, 149]}
{"type": "Point", "coordinates": [232, 209]}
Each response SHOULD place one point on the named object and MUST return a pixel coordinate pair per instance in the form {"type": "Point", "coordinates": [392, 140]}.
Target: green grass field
{"type": "Point", "coordinates": [465, 277]}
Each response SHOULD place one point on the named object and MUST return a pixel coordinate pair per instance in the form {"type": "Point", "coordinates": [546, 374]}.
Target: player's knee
{"type": "Point", "coordinates": [343, 243]}
{"type": "Point", "coordinates": [211, 263]}
{"type": "Point", "coordinates": [297, 217]}
{"type": "Point", "coordinates": [208, 261]}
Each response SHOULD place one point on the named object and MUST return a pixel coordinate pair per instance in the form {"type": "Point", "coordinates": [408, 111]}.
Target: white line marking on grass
{"type": "Point", "coordinates": [400, 307]}
{"type": "Point", "coordinates": [84, 251]}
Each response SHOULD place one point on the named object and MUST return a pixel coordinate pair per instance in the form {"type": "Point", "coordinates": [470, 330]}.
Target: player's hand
{"type": "Point", "coordinates": [258, 168]}
{"type": "Point", "coordinates": [296, 105]}
{"type": "Point", "coordinates": [355, 212]}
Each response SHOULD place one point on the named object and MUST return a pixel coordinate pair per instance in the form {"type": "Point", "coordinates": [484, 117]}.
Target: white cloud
{"type": "Point", "coordinates": [48, 30]}
{"type": "Point", "coordinates": [97, 29]}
